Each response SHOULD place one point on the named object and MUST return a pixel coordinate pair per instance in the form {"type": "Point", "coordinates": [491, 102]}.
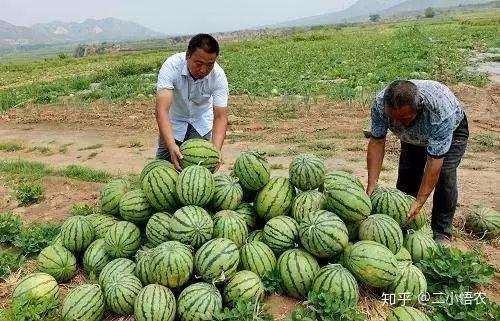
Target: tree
{"type": "Point", "coordinates": [374, 17]}
{"type": "Point", "coordinates": [429, 12]}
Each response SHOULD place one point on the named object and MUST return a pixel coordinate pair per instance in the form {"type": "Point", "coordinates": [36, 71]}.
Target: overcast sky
{"type": "Point", "coordinates": [172, 17]}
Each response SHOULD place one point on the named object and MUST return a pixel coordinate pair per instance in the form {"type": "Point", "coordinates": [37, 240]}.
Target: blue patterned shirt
{"type": "Point", "coordinates": [442, 113]}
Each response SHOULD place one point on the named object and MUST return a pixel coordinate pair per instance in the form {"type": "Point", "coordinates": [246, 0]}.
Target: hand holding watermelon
{"type": "Point", "coordinates": [413, 212]}
{"type": "Point", "coordinates": [175, 155]}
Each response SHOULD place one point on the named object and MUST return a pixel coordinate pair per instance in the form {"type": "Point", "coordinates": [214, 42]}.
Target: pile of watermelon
{"type": "Point", "coordinates": [184, 245]}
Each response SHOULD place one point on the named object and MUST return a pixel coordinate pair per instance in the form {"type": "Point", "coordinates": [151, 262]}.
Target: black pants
{"type": "Point", "coordinates": [411, 168]}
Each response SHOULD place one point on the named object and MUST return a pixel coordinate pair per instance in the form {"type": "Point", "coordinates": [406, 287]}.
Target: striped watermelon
{"type": "Point", "coordinates": [172, 264]}
{"type": "Point", "coordinates": [152, 164]}
{"type": "Point", "coordinates": [352, 230]}
{"type": "Point", "coordinates": [134, 207]}
{"type": "Point", "coordinates": [155, 303]}
{"type": "Point", "coordinates": [409, 284]}
{"type": "Point", "coordinates": [484, 222]}
{"type": "Point", "coordinates": [95, 259]}
{"type": "Point", "coordinates": [371, 263]}
{"type": "Point", "coordinates": [244, 285]}
{"type": "Point", "coordinates": [195, 186]}
{"type": "Point", "coordinates": [37, 286]}
{"type": "Point", "coordinates": [348, 201]}
{"type": "Point", "coordinates": [323, 234]}
{"type": "Point", "coordinates": [281, 233]}
{"type": "Point", "coordinates": [199, 151]}
{"type": "Point", "coordinates": [297, 269]}
{"type": "Point", "coordinates": [57, 261]}
{"type": "Point", "coordinates": [77, 233]}
{"type": "Point", "coordinates": [157, 228]}
{"type": "Point", "coordinates": [85, 302]}
{"type": "Point", "coordinates": [252, 170]}
{"type": "Point", "coordinates": [305, 202]}
{"type": "Point", "coordinates": [217, 260]}
{"type": "Point", "coordinates": [159, 186]}
{"type": "Point", "coordinates": [191, 225]}
{"type": "Point", "coordinates": [111, 194]}
{"type": "Point", "coordinates": [120, 292]}
{"type": "Point", "coordinates": [405, 313]}
{"type": "Point", "coordinates": [418, 244]}
{"type": "Point", "coordinates": [230, 225]}
{"type": "Point", "coordinates": [403, 256]}
{"type": "Point", "coordinates": [342, 178]}
{"type": "Point", "coordinates": [420, 220]}
{"type": "Point", "coordinates": [101, 223]}
{"type": "Point", "coordinates": [307, 172]}
{"type": "Point", "coordinates": [144, 267]}
{"type": "Point", "coordinates": [118, 266]}
{"type": "Point", "coordinates": [275, 198]}
{"type": "Point", "coordinates": [257, 235]}
{"type": "Point", "coordinates": [337, 280]}
{"type": "Point", "coordinates": [382, 229]}
{"type": "Point", "coordinates": [391, 201]}
{"type": "Point", "coordinates": [199, 302]}
{"type": "Point", "coordinates": [228, 193]}
{"type": "Point", "coordinates": [247, 212]}
{"type": "Point", "coordinates": [122, 239]}
{"type": "Point", "coordinates": [257, 257]}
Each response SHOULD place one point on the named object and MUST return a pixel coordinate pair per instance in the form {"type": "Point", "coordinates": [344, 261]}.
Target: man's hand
{"type": "Point", "coordinates": [175, 155]}
{"type": "Point", "coordinates": [370, 189]}
{"type": "Point", "coordinates": [413, 212]}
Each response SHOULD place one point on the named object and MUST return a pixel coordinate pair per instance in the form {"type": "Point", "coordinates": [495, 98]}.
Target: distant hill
{"type": "Point", "coordinates": [90, 30]}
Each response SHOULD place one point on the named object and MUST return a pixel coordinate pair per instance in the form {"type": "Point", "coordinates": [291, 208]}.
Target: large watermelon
{"type": "Point", "coordinates": [252, 170]}
{"type": "Point", "coordinates": [410, 283]}
{"type": "Point", "coordinates": [484, 222]}
{"type": "Point", "coordinates": [403, 256]}
{"type": "Point", "coordinates": [77, 233]}
{"type": "Point", "coordinates": [418, 244]}
{"type": "Point", "coordinates": [392, 202]}
{"type": "Point", "coordinates": [244, 285]}
{"type": "Point", "coordinates": [229, 224]}
{"type": "Point", "coordinates": [155, 303]}
{"type": "Point", "coordinates": [342, 178]}
{"type": "Point", "coordinates": [85, 302]}
{"type": "Point", "coordinates": [336, 279]}
{"type": "Point", "coordinates": [144, 266]}
{"type": "Point", "coordinates": [111, 194]}
{"type": "Point", "coordinates": [307, 172]}
{"type": "Point", "coordinates": [172, 264]}
{"type": "Point", "coordinates": [101, 223]}
{"type": "Point", "coordinates": [199, 302]}
{"type": "Point", "coordinates": [323, 234]}
{"type": "Point", "coordinates": [257, 257]}
{"type": "Point", "coordinates": [228, 193]}
{"type": "Point", "coordinates": [157, 228]}
{"type": "Point", "coordinates": [281, 233]}
{"type": "Point", "coordinates": [297, 269]}
{"type": "Point", "coordinates": [152, 164]}
{"type": "Point", "coordinates": [57, 261]}
{"type": "Point", "coordinates": [36, 286]}
{"type": "Point", "coordinates": [197, 151]}
{"type": "Point", "coordinates": [191, 225]}
{"type": "Point", "coordinates": [371, 263]}
{"type": "Point", "coordinates": [120, 292]}
{"type": "Point", "coordinates": [382, 229]}
{"type": "Point", "coordinates": [118, 266]}
{"type": "Point", "coordinates": [95, 259]}
{"type": "Point", "coordinates": [217, 260]}
{"type": "Point", "coordinates": [257, 235]}
{"type": "Point", "coordinates": [122, 239]}
{"type": "Point", "coordinates": [305, 202]}
{"type": "Point", "coordinates": [348, 201]}
{"type": "Point", "coordinates": [159, 186]}
{"type": "Point", "coordinates": [248, 213]}
{"type": "Point", "coordinates": [407, 314]}
{"type": "Point", "coordinates": [275, 198]}
{"type": "Point", "coordinates": [195, 186]}
{"type": "Point", "coordinates": [134, 207]}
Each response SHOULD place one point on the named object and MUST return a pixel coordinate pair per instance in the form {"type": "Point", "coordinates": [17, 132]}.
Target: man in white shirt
{"type": "Point", "coordinates": [191, 98]}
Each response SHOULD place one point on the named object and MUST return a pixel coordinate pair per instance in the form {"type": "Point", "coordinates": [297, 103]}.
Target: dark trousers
{"type": "Point", "coordinates": [411, 168]}
{"type": "Point", "coordinates": [162, 151]}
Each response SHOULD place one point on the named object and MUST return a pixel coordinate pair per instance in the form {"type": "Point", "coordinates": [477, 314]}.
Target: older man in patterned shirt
{"type": "Point", "coordinates": [431, 124]}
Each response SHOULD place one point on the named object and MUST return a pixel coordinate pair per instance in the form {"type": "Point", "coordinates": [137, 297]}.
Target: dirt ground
{"type": "Point", "coordinates": [121, 138]}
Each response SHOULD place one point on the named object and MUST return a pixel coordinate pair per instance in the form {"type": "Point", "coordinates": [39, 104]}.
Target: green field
{"type": "Point", "coordinates": [341, 63]}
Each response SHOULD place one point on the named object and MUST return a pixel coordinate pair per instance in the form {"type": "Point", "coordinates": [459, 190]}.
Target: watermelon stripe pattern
{"type": "Point", "coordinates": [95, 259]}
{"type": "Point", "coordinates": [155, 303]}
{"type": "Point", "coordinates": [217, 260]}
{"type": "Point", "coordinates": [257, 257]}
{"type": "Point", "coordinates": [244, 285]}
{"type": "Point", "coordinates": [403, 256]}
{"type": "Point", "coordinates": [77, 233]}
{"type": "Point", "coordinates": [191, 225]}
{"type": "Point", "coordinates": [199, 302]}
{"type": "Point", "coordinates": [195, 186]}
{"type": "Point", "coordinates": [101, 224]}
{"type": "Point", "coordinates": [341, 177]}
{"type": "Point", "coordinates": [382, 229]}
{"type": "Point", "coordinates": [410, 280]}
{"type": "Point", "coordinates": [281, 233]}
{"type": "Point", "coordinates": [157, 228]}
{"type": "Point", "coordinates": [419, 244]}
{"type": "Point", "coordinates": [144, 267]}
{"type": "Point", "coordinates": [406, 313]}
{"type": "Point", "coordinates": [122, 240]}
{"type": "Point", "coordinates": [152, 164]}
{"type": "Point", "coordinates": [297, 269]}
{"type": "Point", "coordinates": [392, 202]}
{"type": "Point", "coordinates": [85, 302]}
{"type": "Point", "coordinates": [336, 279]}
{"type": "Point", "coordinates": [199, 151]}
{"type": "Point", "coordinates": [172, 264]}
{"type": "Point", "coordinates": [323, 234]}
{"type": "Point", "coordinates": [36, 285]}
{"type": "Point", "coordinates": [307, 172]}
{"type": "Point", "coordinates": [275, 198]}
{"type": "Point", "coordinates": [134, 207]}
{"type": "Point", "coordinates": [230, 225]}
{"type": "Point", "coordinates": [257, 235]}
{"type": "Point", "coordinates": [247, 212]}
{"type": "Point", "coordinates": [159, 186]}
{"type": "Point", "coordinates": [120, 293]}
{"type": "Point", "coordinates": [111, 195]}
{"type": "Point", "coordinates": [305, 202]}
{"type": "Point", "coordinates": [228, 193]}
{"type": "Point", "coordinates": [57, 261]}
{"type": "Point", "coordinates": [252, 170]}
{"type": "Point", "coordinates": [116, 266]}
{"type": "Point", "coordinates": [349, 202]}
{"type": "Point", "coordinates": [484, 222]}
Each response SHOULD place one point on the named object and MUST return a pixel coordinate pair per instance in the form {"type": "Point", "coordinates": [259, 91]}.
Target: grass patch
{"type": "Point", "coordinates": [10, 262]}
{"type": "Point", "coordinates": [33, 309]}
{"type": "Point", "coordinates": [276, 166]}
{"type": "Point", "coordinates": [95, 146]}
{"type": "Point", "coordinates": [294, 138]}
{"type": "Point", "coordinates": [29, 193]}
{"type": "Point", "coordinates": [63, 149]}
{"type": "Point", "coordinates": [10, 226]}
{"type": "Point", "coordinates": [485, 143]}
{"type": "Point", "coordinates": [36, 237]}
{"type": "Point", "coordinates": [85, 174]}
{"type": "Point", "coordinates": [11, 147]}
{"type": "Point", "coordinates": [83, 209]}
{"type": "Point", "coordinates": [40, 149]}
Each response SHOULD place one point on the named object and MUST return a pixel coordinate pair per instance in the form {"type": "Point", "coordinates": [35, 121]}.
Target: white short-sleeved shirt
{"type": "Point", "coordinates": [194, 100]}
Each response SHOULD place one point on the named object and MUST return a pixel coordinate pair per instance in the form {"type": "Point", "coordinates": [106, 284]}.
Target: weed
{"type": "Point", "coordinates": [33, 309]}
{"type": "Point", "coordinates": [85, 174]}
{"type": "Point", "coordinates": [37, 236]}
{"type": "Point", "coordinates": [10, 262]}
{"type": "Point", "coordinates": [41, 149]}
{"type": "Point", "coordinates": [29, 193]}
{"type": "Point", "coordinates": [485, 143]}
{"type": "Point", "coordinates": [11, 147]}
{"type": "Point", "coordinates": [10, 226]}
{"type": "Point", "coordinates": [95, 146]}
{"type": "Point", "coordinates": [83, 209]}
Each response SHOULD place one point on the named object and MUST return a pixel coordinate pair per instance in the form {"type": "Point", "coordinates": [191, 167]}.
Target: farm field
{"type": "Point", "coordinates": [71, 125]}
